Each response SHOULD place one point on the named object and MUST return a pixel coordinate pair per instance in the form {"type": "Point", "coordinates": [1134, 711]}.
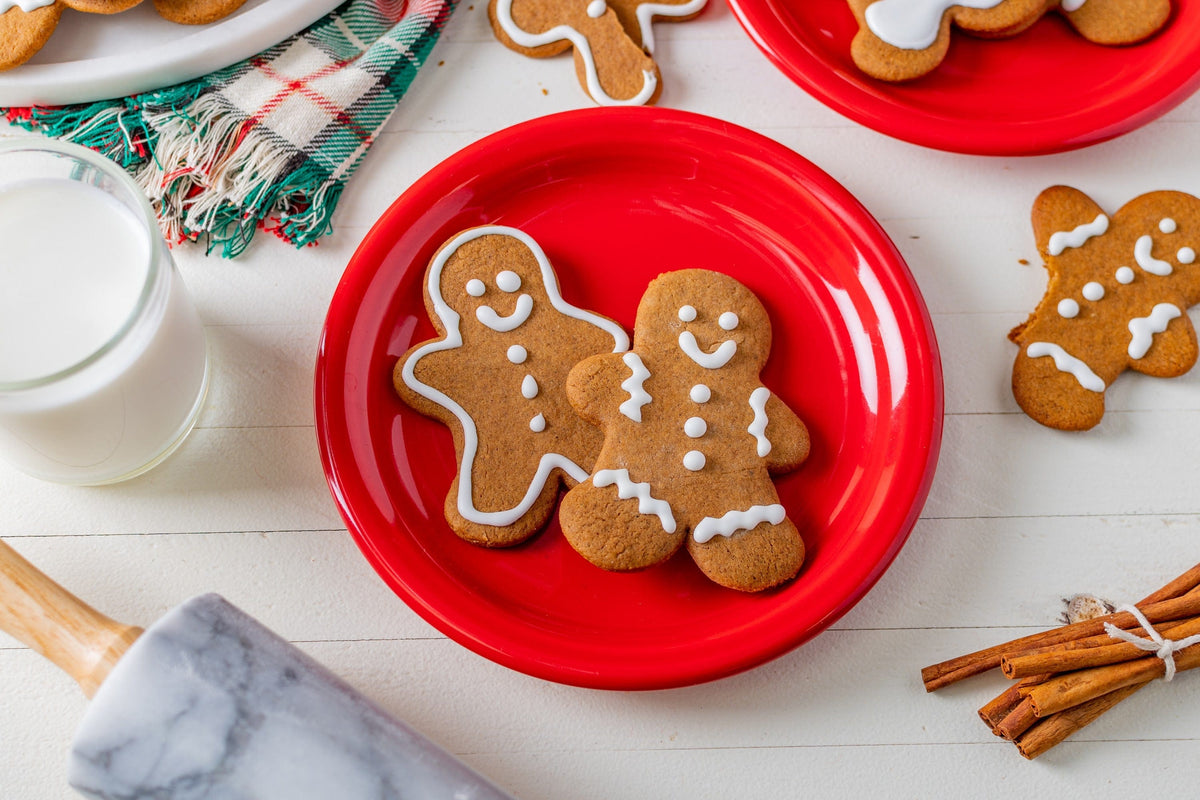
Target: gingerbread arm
{"type": "Point", "coordinates": [787, 434]}
{"type": "Point", "coordinates": [594, 387]}
{"type": "Point", "coordinates": [423, 373]}
{"type": "Point", "coordinates": [1118, 22]}
{"type": "Point", "coordinates": [1065, 218]}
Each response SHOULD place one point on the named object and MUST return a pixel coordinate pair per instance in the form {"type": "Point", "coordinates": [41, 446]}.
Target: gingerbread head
{"type": "Point", "coordinates": [691, 438]}
{"type": "Point", "coordinates": [1117, 299]}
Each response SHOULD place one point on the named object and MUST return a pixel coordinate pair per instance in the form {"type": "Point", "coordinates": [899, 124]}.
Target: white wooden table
{"type": "Point", "coordinates": [1019, 516]}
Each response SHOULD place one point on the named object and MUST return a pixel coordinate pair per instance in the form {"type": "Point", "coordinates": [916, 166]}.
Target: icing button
{"type": "Point", "coordinates": [1186, 255]}
{"type": "Point", "coordinates": [1093, 291]}
{"type": "Point", "coordinates": [695, 427]}
{"type": "Point", "coordinates": [694, 460]}
{"type": "Point", "coordinates": [517, 354]}
{"type": "Point", "coordinates": [1068, 308]}
{"type": "Point", "coordinates": [700, 393]}
{"type": "Point", "coordinates": [1125, 275]}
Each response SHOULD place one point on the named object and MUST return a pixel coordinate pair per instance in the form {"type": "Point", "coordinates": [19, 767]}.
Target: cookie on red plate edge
{"type": "Point", "coordinates": [496, 375]}
{"type": "Point", "coordinates": [1117, 299]}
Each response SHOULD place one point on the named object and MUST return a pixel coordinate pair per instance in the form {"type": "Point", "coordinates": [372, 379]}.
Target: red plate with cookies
{"type": "Point", "coordinates": [1044, 90]}
{"type": "Point", "coordinates": [614, 198]}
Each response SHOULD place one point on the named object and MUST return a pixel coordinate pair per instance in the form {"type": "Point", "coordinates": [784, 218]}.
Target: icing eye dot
{"type": "Point", "coordinates": [700, 393]}
{"type": "Point", "coordinates": [1186, 255]}
{"type": "Point", "coordinates": [475, 287]}
{"type": "Point", "coordinates": [728, 321]}
{"type": "Point", "coordinates": [517, 354]}
{"type": "Point", "coordinates": [1167, 225]}
{"type": "Point", "coordinates": [1093, 291]}
{"type": "Point", "coordinates": [1125, 275]}
{"type": "Point", "coordinates": [508, 281]}
{"type": "Point", "coordinates": [695, 427]}
{"type": "Point", "coordinates": [596, 8]}
{"type": "Point", "coordinates": [694, 460]}
{"type": "Point", "coordinates": [1068, 308]}
{"type": "Point", "coordinates": [687, 313]}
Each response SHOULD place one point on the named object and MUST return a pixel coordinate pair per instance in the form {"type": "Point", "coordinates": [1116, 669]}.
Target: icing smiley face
{"type": "Point", "coordinates": [501, 300]}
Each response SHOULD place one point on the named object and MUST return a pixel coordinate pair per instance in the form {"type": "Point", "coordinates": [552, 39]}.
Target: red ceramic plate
{"type": "Point", "coordinates": [1045, 90]}
{"type": "Point", "coordinates": [616, 196]}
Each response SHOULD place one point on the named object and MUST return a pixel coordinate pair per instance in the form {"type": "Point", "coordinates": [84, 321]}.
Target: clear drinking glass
{"type": "Point", "coordinates": [103, 363]}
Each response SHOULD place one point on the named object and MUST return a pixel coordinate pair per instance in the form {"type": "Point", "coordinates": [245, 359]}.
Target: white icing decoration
{"type": "Point", "coordinates": [695, 427]}
{"type": "Point", "coordinates": [488, 316]}
{"type": "Point", "coordinates": [1144, 328]}
{"type": "Point", "coordinates": [583, 50]}
{"type": "Point", "coordinates": [1065, 362]}
{"type": "Point", "coordinates": [638, 396]}
{"type": "Point", "coordinates": [733, 521]}
{"type": "Point", "coordinates": [913, 24]}
{"type": "Point", "coordinates": [1186, 255]}
{"type": "Point", "coordinates": [694, 460]}
{"type": "Point", "coordinates": [1142, 254]}
{"type": "Point", "coordinates": [508, 281]}
{"type": "Point", "coordinates": [538, 423]}
{"type": "Point", "coordinates": [687, 313]}
{"type": "Point", "coordinates": [1068, 308]}
{"type": "Point", "coordinates": [700, 393]}
{"type": "Point", "coordinates": [627, 489]}
{"type": "Point", "coordinates": [728, 321]}
{"type": "Point", "coordinates": [646, 12]}
{"type": "Point", "coordinates": [517, 354]}
{"type": "Point", "coordinates": [714, 360]}
{"type": "Point", "coordinates": [475, 287]}
{"type": "Point", "coordinates": [758, 428]}
{"type": "Point", "coordinates": [1093, 291]}
{"type": "Point", "coordinates": [1072, 5]}
{"type": "Point", "coordinates": [1124, 275]}
{"type": "Point", "coordinates": [24, 5]}
{"type": "Point", "coordinates": [1167, 225]}
{"type": "Point", "coordinates": [596, 8]}
{"type": "Point", "coordinates": [450, 322]}
{"type": "Point", "coordinates": [529, 387]}
{"type": "Point", "coordinates": [1075, 238]}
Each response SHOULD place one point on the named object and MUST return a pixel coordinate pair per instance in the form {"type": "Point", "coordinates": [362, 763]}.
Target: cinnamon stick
{"type": "Point", "coordinates": [1095, 651]}
{"type": "Point", "coordinates": [1053, 730]}
{"type": "Point", "coordinates": [937, 676]}
{"type": "Point", "coordinates": [1073, 688]}
{"type": "Point", "coordinates": [996, 709]}
{"type": "Point", "coordinates": [1019, 720]}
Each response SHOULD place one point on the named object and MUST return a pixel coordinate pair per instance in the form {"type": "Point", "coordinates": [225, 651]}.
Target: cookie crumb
{"type": "Point", "coordinates": [914, 237]}
{"type": "Point", "coordinates": [546, 92]}
{"type": "Point", "coordinates": [441, 63]}
{"type": "Point", "coordinates": [1082, 607]}
{"type": "Point", "coordinates": [1023, 262]}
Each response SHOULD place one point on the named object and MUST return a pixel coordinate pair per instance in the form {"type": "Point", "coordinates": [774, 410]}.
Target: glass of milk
{"type": "Point", "coordinates": [103, 364]}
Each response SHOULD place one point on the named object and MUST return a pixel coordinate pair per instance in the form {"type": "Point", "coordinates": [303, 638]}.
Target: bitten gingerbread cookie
{"type": "Point", "coordinates": [899, 40]}
{"type": "Point", "coordinates": [496, 376]}
{"type": "Point", "coordinates": [612, 40]}
{"type": "Point", "coordinates": [1117, 299]}
{"type": "Point", "coordinates": [691, 439]}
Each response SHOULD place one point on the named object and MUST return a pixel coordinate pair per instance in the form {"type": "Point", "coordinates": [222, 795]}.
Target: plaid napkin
{"type": "Point", "coordinates": [267, 143]}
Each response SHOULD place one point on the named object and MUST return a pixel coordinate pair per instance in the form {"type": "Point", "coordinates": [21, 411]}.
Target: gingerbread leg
{"type": "Point", "coordinates": [1058, 397]}
{"type": "Point", "coordinates": [615, 533]}
{"type": "Point", "coordinates": [1117, 22]}
{"type": "Point", "coordinates": [753, 560]}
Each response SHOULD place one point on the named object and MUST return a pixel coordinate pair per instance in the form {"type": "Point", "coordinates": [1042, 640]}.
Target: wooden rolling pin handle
{"type": "Point", "coordinates": [50, 620]}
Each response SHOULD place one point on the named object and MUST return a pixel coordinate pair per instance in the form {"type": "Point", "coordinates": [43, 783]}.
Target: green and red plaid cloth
{"type": "Point", "coordinates": [266, 143]}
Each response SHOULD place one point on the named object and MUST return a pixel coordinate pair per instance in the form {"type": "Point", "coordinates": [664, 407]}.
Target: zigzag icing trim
{"type": "Point", "coordinates": [627, 489]}
{"type": "Point", "coordinates": [758, 428]}
{"type": "Point", "coordinates": [733, 521]}
{"type": "Point", "coordinates": [634, 384]}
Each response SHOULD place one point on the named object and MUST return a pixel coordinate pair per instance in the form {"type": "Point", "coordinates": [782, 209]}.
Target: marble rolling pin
{"type": "Point", "coordinates": [207, 704]}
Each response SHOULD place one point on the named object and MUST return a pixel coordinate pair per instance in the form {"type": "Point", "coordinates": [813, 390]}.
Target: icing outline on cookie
{"type": "Point", "coordinates": [635, 386]}
{"type": "Point", "coordinates": [1143, 329]}
{"type": "Point", "coordinates": [451, 321]}
{"type": "Point", "coordinates": [758, 428]}
{"type": "Point", "coordinates": [1077, 236]}
{"type": "Point", "coordinates": [25, 5]}
{"type": "Point", "coordinates": [582, 46]}
{"type": "Point", "coordinates": [914, 24]}
{"type": "Point", "coordinates": [646, 12]}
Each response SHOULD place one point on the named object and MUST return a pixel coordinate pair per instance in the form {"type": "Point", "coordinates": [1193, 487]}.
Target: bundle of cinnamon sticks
{"type": "Point", "coordinates": [1069, 676]}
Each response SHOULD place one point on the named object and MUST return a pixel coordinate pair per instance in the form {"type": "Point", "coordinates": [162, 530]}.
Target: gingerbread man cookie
{"type": "Point", "coordinates": [496, 376]}
{"type": "Point", "coordinates": [612, 40]}
{"type": "Point", "coordinates": [1117, 299]}
{"type": "Point", "coordinates": [899, 40]}
{"type": "Point", "coordinates": [691, 439]}
{"type": "Point", "coordinates": [26, 25]}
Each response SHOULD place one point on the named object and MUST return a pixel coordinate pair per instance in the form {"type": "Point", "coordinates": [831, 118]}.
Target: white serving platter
{"type": "Point", "coordinates": [95, 57]}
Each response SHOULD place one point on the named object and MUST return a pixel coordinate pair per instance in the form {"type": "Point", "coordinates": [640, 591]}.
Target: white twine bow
{"type": "Point", "coordinates": [1161, 647]}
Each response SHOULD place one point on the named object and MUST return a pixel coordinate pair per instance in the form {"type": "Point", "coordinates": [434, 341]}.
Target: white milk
{"type": "Point", "coordinates": [102, 355]}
